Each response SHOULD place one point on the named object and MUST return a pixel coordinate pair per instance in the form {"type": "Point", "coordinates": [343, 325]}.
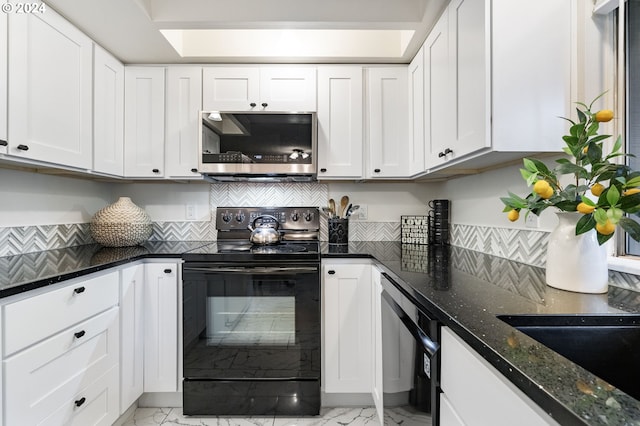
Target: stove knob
{"type": "Point", "coordinates": [295, 216]}
{"type": "Point", "coordinates": [240, 217]}
{"type": "Point", "coordinates": [226, 217]}
{"type": "Point", "coordinates": [308, 216]}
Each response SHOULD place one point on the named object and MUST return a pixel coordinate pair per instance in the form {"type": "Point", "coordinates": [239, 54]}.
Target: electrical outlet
{"type": "Point", "coordinates": [361, 213]}
{"type": "Point", "coordinates": [190, 212]}
{"type": "Point", "coordinates": [532, 221]}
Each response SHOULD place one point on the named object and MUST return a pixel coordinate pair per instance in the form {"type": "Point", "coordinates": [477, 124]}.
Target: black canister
{"type": "Point", "coordinates": [338, 231]}
{"type": "Point", "coordinates": [438, 225]}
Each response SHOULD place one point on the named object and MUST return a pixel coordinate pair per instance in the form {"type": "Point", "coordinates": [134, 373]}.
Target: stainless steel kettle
{"type": "Point", "coordinates": [264, 234]}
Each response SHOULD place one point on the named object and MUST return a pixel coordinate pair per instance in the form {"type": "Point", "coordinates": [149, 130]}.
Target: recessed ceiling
{"type": "Point", "coordinates": [260, 31]}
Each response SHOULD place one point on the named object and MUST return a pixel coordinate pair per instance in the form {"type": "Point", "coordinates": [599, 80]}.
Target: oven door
{"type": "Point", "coordinates": [251, 339]}
{"type": "Point", "coordinates": [410, 355]}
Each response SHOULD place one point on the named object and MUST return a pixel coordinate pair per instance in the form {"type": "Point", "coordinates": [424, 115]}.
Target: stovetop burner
{"type": "Point", "coordinates": [247, 247]}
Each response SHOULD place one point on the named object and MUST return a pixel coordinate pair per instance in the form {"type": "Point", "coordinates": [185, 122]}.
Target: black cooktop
{"type": "Point", "coordinates": [244, 251]}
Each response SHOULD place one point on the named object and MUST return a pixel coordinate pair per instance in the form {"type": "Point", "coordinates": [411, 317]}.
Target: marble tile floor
{"type": "Point", "coordinates": [352, 416]}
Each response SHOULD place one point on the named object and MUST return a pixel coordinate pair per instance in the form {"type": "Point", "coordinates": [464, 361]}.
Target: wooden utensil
{"type": "Point", "coordinates": [344, 202]}
{"type": "Point", "coordinates": [332, 207]}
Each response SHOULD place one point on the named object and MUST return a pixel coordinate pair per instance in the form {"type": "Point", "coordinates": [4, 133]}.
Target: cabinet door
{"type": "Point", "coordinates": [161, 327]}
{"type": "Point", "coordinates": [288, 89]}
{"type": "Point", "coordinates": [108, 113]}
{"type": "Point", "coordinates": [230, 88]}
{"type": "Point", "coordinates": [340, 105]}
{"type": "Point", "coordinates": [131, 335]}
{"type": "Point", "coordinates": [50, 96]}
{"type": "Point", "coordinates": [3, 82]}
{"type": "Point", "coordinates": [144, 122]}
{"type": "Point", "coordinates": [376, 320]}
{"type": "Point", "coordinates": [347, 349]}
{"type": "Point", "coordinates": [469, 41]}
{"type": "Point", "coordinates": [416, 113]}
{"type": "Point", "coordinates": [438, 89]}
{"type": "Point", "coordinates": [448, 415]}
{"type": "Point", "coordinates": [388, 123]}
{"type": "Point", "coordinates": [184, 102]}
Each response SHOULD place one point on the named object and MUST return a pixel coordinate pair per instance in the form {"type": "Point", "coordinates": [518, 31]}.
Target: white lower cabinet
{"type": "Point", "coordinates": [64, 370]}
{"type": "Point", "coordinates": [161, 327]}
{"type": "Point", "coordinates": [131, 335]}
{"type": "Point", "coordinates": [475, 393]}
{"type": "Point", "coordinates": [376, 332]}
{"type": "Point", "coordinates": [346, 311]}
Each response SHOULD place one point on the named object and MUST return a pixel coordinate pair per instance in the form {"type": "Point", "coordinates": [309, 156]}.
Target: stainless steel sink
{"type": "Point", "coordinates": [606, 345]}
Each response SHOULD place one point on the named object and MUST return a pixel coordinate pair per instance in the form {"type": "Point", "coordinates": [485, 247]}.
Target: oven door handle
{"type": "Point", "coordinates": [253, 270]}
{"type": "Point", "coordinates": [429, 345]}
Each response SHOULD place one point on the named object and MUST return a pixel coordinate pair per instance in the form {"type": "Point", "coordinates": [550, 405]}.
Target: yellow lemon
{"type": "Point", "coordinates": [604, 115]}
{"type": "Point", "coordinates": [547, 194]}
{"type": "Point", "coordinates": [585, 208]}
{"type": "Point", "coordinates": [597, 189]}
{"type": "Point", "coordinates": [631, 191]}
{"type": "Point", "coordinates": [606, 229]}
{"type": "Point", "coordinates": [541, 187]}
{"type": "Point", "coordinates": [513, 215]}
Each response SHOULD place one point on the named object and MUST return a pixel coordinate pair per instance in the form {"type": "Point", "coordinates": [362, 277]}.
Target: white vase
{"type": "Point", "coordinates": [576, 262]}
{"type": "Point", "coordinates": [121, 224]}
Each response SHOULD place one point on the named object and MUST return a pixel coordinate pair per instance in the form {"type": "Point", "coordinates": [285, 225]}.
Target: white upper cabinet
{"type": "Point", "coordinates": [416, 113]}
{"type": "Point", "coordinates": [50, 95]}
{"type": "Point", "coordinates": [144, 121]}
{"type": "Point", "coordinates": [259, 88]}
{"type": "Point", "coordinates": [184, 102]}
{"type": "Point", "coordinates": [485, 107]}
{"type": "Point", "coordinates": [340, 125]}
{"type": "Point", "coordinates": [3, 83]}
{"type": "Point", "coordinates": [108, 113]}
{"type": "Point", "coordinates": [388, 123]}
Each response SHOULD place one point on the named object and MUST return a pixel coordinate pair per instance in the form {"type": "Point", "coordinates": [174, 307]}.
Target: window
{"type": "Point", "coordinates": [633, 96]}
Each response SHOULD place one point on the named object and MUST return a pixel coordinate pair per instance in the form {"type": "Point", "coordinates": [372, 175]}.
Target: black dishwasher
{"type": "Point", "coordinates": [410, 359]}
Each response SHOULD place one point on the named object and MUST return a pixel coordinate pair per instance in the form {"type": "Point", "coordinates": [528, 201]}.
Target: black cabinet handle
{"type": "Point", "coordinates": [194, 170]}
{"type": "Point", "coordinates": [79, 290]}
{"type": "Point", "coordinates": [80, 401]}
{"type": "Point", "coordinates": [448, 151]}
{"type": "Point", "coordinates": [23, 147]}
{"type": "Point", "coordinates": [3, 143]}
{"type": "Point", "coordinates": [167, 271]}
{"type": "Point", "coordinates": [155, 171]}
{"type": "Point", "coordinates": [252, 104]}
{"type": "Point", "coordinates": [376, 170]}
{"type": "Point", "coordinates": [79, 334]}
{"type": "Point", "coordinates": [323, 170]}
{"type": "Point", "coordinates": [331, 272]}
{"type": "Point", "coordinates": [441, 154]}
{"type": "Point", "coordinates": [264, 105]}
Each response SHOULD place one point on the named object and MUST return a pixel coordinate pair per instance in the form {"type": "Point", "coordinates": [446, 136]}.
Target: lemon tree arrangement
{"type": "Point", "coordinates": [602, 189]}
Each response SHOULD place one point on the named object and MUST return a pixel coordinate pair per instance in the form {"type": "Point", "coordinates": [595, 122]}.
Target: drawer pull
{"type": "Point", "coordinates": [79, 290]}
{"type": "Point", "coordinates": [167, 271]}
{"type": "Point", "coordinates": [156, 170]}
{"type": "Point", "coordinates": [79, 334]}
{"type": "Point", "coordinates": [80, 401]}
{"type": "Point", "coordinates": [23, 147]}
{"type": "Point", "coordinates": [332, 272]}
{"type": "Point", "coordinates": [264, 105]}
{"type": "Point", "coordinates": [3, 143]}
{"type": "Point", "coordinates": [194, 170]}
{"type": "Point", "coordinates": [252, 104]}
{"type": "Point", "coordinates": [376, 170]}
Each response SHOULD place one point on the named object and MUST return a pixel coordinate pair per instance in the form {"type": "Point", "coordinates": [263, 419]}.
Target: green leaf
{"type": "Point", "coordinates": [604, 238]}
{"type": "Point", "coordinates": [633, 182]}
{"type": "Point", "coordinates": [540, 166]}
{"type": "Point", "coordinates": [617, 145]}
{"type": "Point", "coordinates": [581, 116]}
{"type": "Point", "coordinates": [593, 128]}
{"type": "Point", "coordinates": [577, 129]}
{"type": "Point", "coordinates": [631, 227]}
{"type": "Point", "coordinates": [600, 215]}
{"type": "Point", "coordinates": [599, 138]}
{"type": "Point", "coordinates": [567, 206]}
{"type": "Point", "coordinates": [594, 152]}
{"type": "Point", "coordinates": [529, 165]}
{"type": "Point", "coordinates": [630, 203]}
{"type": "Point", "coordinates": [613, 195]}
{"type": "Point", "coordinates": [573, 169]}
{"type": "Point", "coordinates": [614, 214]}
{"type": "Point", "coordinates": [588, 201]}
{"type": "Point", "coordinates": [567, 151]}
{"type": "Point", "coordinates": [563, 161]}
{"type": "Point", "coordinates": [586, 223]}
{"type": "Point", "coordinates": [595, 99]}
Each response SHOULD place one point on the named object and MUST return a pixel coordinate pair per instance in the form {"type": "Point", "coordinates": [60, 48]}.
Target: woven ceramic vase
{"type": "Point", "coordinates": [121, 224]}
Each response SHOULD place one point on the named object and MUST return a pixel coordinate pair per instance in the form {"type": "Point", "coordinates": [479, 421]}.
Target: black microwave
{"type": "Point", "coordinates": [270, 144]}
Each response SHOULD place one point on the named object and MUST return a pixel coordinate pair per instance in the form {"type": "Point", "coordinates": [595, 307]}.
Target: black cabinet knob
{"type": "Point", "coordinates": [264, 105]}
{"type": "Point", "coordinates": [194, 170]}
{"type": "Point", "coordinates": [23, 147]}
{"type": "Point", "coordinates": [376, 170]}
{"type": "Point", "coordinates": [252, 104]}
{"type": "Point", "coordinates": [79, 290]}
{"type": "Point", "coordinates": [79, 334]}
{"type": "Point", "coordinates": [167, 271]}
{"type": "Point", "coordinates": [323, 170]}
{"type": "Point", "coordinates": [331, 272]}
{"type": "Point", "coordinates": [156, 170]}
{"type": "Point", "coordinates": [80, 401]}
{"type": "Point", "coordinates": [3, 143]}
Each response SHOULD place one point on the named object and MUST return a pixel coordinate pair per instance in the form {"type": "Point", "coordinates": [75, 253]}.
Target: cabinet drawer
{"type": "Point", "coordinates": [31, 320]}
{"type": "Point", "coordinates": [46, 376]}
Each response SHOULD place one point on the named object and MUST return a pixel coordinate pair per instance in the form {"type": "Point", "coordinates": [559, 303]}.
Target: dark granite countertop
{"type": "Point", "coordinates": [465, 290]}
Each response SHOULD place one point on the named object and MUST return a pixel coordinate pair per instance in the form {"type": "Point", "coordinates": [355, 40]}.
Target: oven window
{"type": "Point", "coordinates": [261, 320]}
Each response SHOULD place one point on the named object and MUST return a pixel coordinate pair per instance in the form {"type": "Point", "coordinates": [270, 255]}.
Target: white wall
{"type": "Point", "coordinates": [36, 199]}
